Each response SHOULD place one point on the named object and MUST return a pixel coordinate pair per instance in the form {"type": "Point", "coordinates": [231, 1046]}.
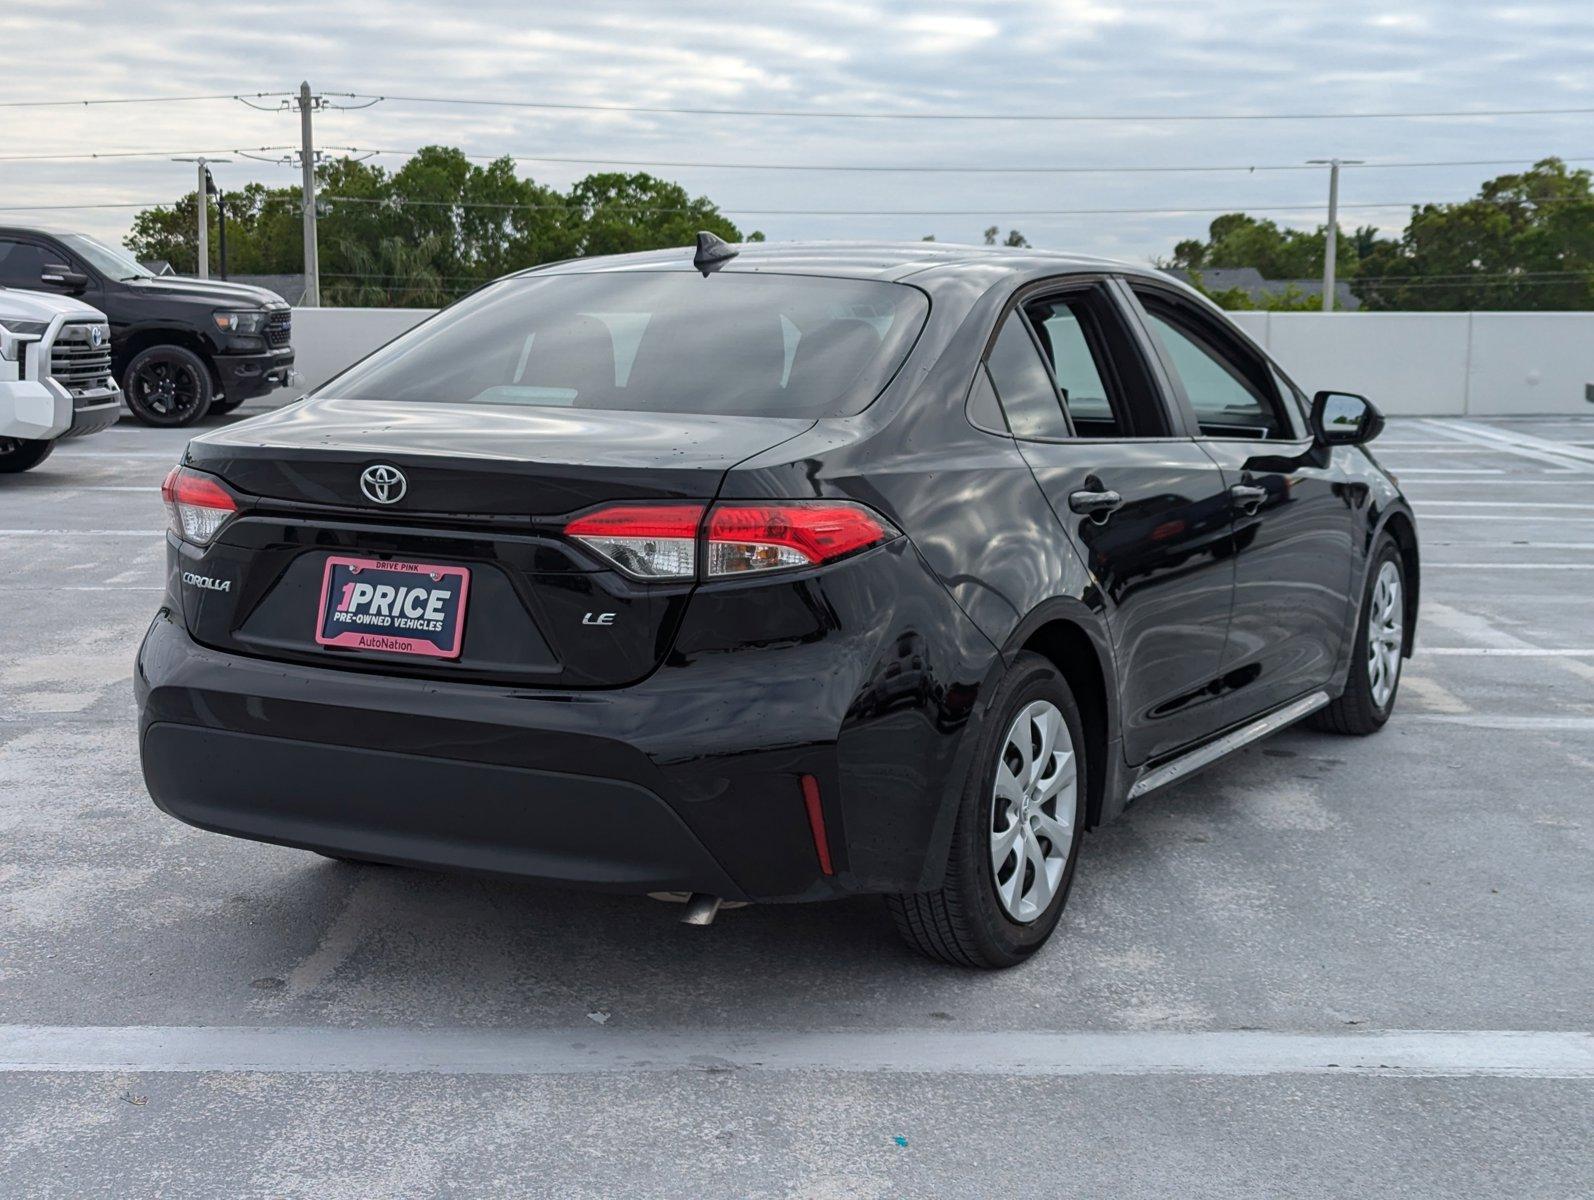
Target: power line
{"type": "Point", "coordinates": [137, 100]}
{"type": "Point", "coordinates": [841, 114]}
{"type": "Point", "coordinates": [99, 154]}
{"type": "Point", "coordinates": [1137, 169]}
{"type": "Point", "coordinates": [994, 211]}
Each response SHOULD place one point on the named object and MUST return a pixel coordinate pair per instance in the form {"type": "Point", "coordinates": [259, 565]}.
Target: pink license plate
{"type": "Point", "coordinates": [393, 607]}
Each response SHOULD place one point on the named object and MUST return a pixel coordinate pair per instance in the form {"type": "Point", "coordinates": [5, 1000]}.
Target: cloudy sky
{"type": "Point", "coordinates": [1145, 59]}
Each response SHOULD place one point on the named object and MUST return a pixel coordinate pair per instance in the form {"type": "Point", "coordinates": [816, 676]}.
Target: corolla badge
{"type": "Point", "coordinates": [383, 484]}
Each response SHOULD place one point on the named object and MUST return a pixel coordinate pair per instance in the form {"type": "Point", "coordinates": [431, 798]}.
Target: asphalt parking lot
{"type": "Point", "coordinates": [1325, 967]}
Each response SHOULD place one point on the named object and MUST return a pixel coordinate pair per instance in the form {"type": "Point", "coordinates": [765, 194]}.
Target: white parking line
{"type": "Point", "coordinates": [79, 587]}
{"type": "Point", "coordinates": [1518, 445]}
{"type": "Point", "coordinates": [113, 455]}
{"type": "Point", "coordinates": [1402, 1054]}
{"type": "Point", "coordinates": [1514, 441]}
{"type": "Point", "coordinates": [1512, 566]}
{"type": "Point", "coordinates": [71, 533]}
{"type": "Point", "coordinates": [1505, 504]}
{"type": "Point", "coordinates": [1503, 652]}
{"type": "Point", "coordinates": [1545, 724]}
{"type": "Point", "coordinates": [1509, 545]}
{"type": "Point", "coordinates": [1425, 515]}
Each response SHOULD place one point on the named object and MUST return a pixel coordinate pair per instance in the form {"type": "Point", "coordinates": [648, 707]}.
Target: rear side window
{"type": "Point", "coordinates": [1090, 380]}
{"type": "Point", "coordinates": [1024, 384]}
{"type": "Point", "coordinates": [736, 344]}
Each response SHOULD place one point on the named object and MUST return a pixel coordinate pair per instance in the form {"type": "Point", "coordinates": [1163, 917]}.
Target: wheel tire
{"type": "Point", "coordinates": [22, 454]}
{"type": "Point", "coordinates": [1359, 709]}
{"type": "Point", "coordinates": [965, 922]}
{"type": "Point", "coordinates": [168, 386]}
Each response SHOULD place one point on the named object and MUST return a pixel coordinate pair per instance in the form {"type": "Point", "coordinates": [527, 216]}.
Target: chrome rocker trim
{"type": "Point", "coordinates": [1201, 756]}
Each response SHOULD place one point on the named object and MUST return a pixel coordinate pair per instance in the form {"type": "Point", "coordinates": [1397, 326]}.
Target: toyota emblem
{"type": "Point", "coordinates": [383, 484]}
{"type": "Point", "coordinates": [96, 336]}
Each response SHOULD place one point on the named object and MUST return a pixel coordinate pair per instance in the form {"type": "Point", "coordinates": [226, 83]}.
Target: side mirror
{"type": "Point", "coordinates": [64, 277]}
{"type": "Point", "coordinates": [1344, 419]}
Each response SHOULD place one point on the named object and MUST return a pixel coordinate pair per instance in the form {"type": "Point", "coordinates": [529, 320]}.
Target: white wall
{"type": "Point", "coordinates": [325, 340]}
{"type": "Point", "coordinates": [1438, 364]}
{"type": "Point", "coordinates": [1410, 364]}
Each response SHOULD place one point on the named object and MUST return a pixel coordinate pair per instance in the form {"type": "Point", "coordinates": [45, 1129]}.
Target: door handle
{"type": "Point", "coordinates": [1248, 496]}
{"type": "Point", "coordinates": [1095, 504]}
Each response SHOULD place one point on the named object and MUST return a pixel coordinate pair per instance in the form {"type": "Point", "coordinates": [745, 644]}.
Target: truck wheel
{"type": "Point", "coordinates": [1018, 831]}
{"type": "Point", "coordinates": [168, 386]}
{"type": "Point", "coordinates": [20, 454]}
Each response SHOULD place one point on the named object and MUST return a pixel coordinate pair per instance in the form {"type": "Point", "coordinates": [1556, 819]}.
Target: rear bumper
{"type": "Point", "coordinates": [427, 811]}
{"type": "Point", "coordinates": [688, 781]}
{"type": "Point", "coordinates": [244, 376]}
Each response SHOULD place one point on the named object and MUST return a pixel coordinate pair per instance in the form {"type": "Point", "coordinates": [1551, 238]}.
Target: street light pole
{"type": "Point", "coordinates": [202, 206]}
{"type": "Point", "coordinates": [1331, 237]}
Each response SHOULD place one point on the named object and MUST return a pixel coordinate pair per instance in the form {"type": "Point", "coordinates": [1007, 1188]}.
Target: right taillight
{"type": "Point", "coordinates": [197, 506]}
{"type": "Point", "coordinates": [772, 537]}
{"type": "Point", "coordinates": [660, 541]}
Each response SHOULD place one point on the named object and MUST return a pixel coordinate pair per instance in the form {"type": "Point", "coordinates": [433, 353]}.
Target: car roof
{"type": "Point", "coordinates": [870, 260]}
{"type": "Point", "coordinates": [47, 230]}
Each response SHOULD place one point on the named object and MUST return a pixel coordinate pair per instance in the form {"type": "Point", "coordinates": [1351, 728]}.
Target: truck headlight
{"type": "Point", "coordinates": [13, 334]}
{"type": "Point", "coordinates": [245, 323]}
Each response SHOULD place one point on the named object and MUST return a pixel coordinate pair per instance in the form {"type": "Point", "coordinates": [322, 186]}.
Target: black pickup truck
{"type": "Point", "coordinates": [180, 347]}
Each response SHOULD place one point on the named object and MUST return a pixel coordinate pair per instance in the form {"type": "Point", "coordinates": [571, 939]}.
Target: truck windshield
{"type": "Point", "coordinates": [735, 343]}
{"type": "Point", "coordinates": [111, 263]}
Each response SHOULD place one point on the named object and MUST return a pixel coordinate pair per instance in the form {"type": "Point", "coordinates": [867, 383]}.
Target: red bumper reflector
{"type": "Point", "coordinates": [816, 822]}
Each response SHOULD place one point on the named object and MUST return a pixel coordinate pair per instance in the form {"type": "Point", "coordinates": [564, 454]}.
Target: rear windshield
{"type": "Point", "coordinates": [732, 343]}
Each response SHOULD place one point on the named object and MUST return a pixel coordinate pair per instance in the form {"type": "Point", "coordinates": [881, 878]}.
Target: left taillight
{"type": "Point", "coordinates": [646, 541]}
{"type": "Point", "coordinates": [197, 505]}
{"type": "Point", "coordinates": [660, 541]}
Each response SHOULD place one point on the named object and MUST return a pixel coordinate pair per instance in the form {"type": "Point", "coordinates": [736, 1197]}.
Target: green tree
{"type": "Point", "coordinates": [449, 223]}
{"type": "Point", "coordinates": [1525, 242]}
{"type": "Point", "coordinates": [621, 213]}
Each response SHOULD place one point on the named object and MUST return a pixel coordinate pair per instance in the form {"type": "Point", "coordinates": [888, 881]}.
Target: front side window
{"type": "Point", "coordinates": [1228, 391]}
{"type": "Point", "coordinates": [21, 264]}
{"type": "Point", "coordinates": [732, 344]}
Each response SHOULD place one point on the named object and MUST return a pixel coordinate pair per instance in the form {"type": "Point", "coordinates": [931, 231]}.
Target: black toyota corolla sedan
{"type": "Point", "coordinates": [773, 573]}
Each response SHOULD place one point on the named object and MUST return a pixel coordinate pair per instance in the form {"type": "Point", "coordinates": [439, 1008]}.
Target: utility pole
{"type": "Point", "coordinates": [202, 206]}
{"type": "Point", "coordinates": [312, 265]}
{"type": "Point", "coordinates": [1331, 238]}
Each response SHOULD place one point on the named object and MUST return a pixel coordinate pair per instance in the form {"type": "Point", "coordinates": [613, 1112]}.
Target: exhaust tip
{"type": "Point", "coordinates": [701, 909]}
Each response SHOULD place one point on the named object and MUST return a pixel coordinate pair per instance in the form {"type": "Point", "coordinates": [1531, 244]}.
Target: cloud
{"type": "Point", "coordinates": [1028, 56]}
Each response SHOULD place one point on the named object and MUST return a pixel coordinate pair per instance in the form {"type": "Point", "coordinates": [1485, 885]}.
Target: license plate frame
{"type": "Point", "coordinates": [425, 626]}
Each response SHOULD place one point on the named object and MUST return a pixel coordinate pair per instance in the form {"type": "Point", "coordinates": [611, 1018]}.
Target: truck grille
{"type": "Point", "coordinates": [76, 363]}
{"type": "Point", "coordinates": [279, 325]}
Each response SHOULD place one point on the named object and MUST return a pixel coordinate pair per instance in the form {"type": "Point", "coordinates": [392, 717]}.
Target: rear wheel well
{"type": "Point", "coordinates": [1074, 655]}
{"type": "Point", "coordinates": [1405, 534]}
{"type": "Point", "coordinates": [136, 343]}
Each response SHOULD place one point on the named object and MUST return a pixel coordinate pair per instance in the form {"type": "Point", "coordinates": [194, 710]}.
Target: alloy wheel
{"type": "Point", "coordinates": [1385, 634]}
{"type": "Point", "coordinates": [1034, 808]}
{"type": "Point", "coordinates": [166, 387]}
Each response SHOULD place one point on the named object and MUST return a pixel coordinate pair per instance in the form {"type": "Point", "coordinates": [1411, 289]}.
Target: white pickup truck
{"type": "Point", "coordinates": [55, 375]}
